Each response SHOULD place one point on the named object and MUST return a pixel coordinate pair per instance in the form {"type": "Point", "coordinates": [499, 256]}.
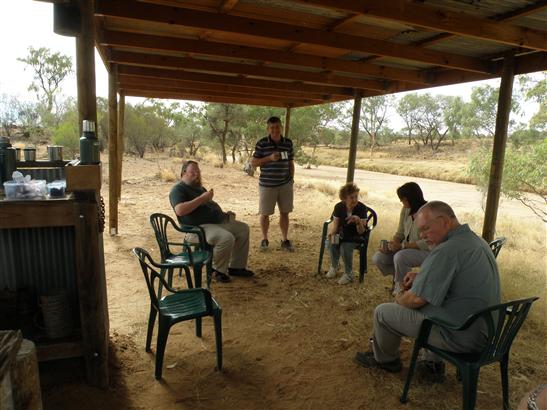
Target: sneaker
{"type": "Point", "coordinates": [287, 246]}
{"type": "Point", "coordinates": [345, 279]}
{"type": "Point", "coordinates": [431, 372]}
{"type": "Point", "coordinates": [240, 272]}
{"type": "Point", "coordinates": [331, 273]}
{"type": "Point", "coordinates": [264, 245]}
{"type": "Point", "coordinates": [220, 277]}
{"type": "Point", "coordinates": [366, 359]}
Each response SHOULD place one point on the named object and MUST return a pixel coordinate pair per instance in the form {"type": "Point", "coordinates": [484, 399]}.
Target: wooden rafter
{"type": "Point", "coordinates": [234, 80]}
{"type": "Point", "coordinates": [227, 5]}
{"type": "Point", "coordinates": [279, 31]}
{"type": "Point", "coordinates": [162, 43]}
{"type": "Point", "coordinates": [404, 11]}
{"type": "Point", "coordinates": [184, 63]}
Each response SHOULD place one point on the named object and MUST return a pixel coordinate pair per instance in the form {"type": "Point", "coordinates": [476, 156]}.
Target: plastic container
{"type": "Point", "coordinates": [56, 189]}
{"type": "Point", "coordinates": [34, 189]}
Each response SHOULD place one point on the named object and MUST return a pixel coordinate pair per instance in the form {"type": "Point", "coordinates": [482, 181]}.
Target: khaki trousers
{"type": "Point", "coordinates": [392, 321]}
{"type": "Point", "coordinates": [230, 241]}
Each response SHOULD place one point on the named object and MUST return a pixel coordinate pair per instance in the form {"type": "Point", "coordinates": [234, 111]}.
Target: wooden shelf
{"type": "Point", "coordinates": [59, 349]}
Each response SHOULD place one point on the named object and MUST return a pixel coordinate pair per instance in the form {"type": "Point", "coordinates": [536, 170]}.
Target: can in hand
{"type": "Point", "coordinates": [384, 245]}
{"type": "Point", "coordinates": [335, 239]}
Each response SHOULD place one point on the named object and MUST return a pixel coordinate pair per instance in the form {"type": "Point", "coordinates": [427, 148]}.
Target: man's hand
{"type": "Point", "coordinates": [208, 195]}
{"type": "Point", "coordinates": [409, 279]}
{"type": "Point", "coordinates": [275, 156]}
{"type": "Point", "coordinates": [394, 246]}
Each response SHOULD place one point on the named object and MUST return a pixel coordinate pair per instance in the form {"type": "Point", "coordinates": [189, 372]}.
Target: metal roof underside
{"type": "Point", "coordinates": [296, 53]}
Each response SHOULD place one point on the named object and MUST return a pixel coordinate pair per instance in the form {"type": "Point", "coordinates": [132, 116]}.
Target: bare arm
{"type": "Point", "coordinates": [291, 168]}
{"type": "Point", "coordinates": [334, 226]}
{"type": "Point", "coordinates": [410, 300]}
{"type": "Point", "coordinates": [187, 207]}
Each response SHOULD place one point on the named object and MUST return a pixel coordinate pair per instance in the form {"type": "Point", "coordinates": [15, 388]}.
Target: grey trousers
{"type": "Point", "coordinates": [346, 250]}
{"type": "Point", "coordinates": [230, 241]}
{"type": "Point", "coordinates": [400, 263]}
{"type": "Point", "coordinates": [392, 321]}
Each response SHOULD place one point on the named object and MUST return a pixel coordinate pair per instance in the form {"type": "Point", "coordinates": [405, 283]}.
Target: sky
{"type": "Point", "coordinates": [28, 23]}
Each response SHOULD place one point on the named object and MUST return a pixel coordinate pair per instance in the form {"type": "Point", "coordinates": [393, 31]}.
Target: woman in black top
{"type": "Point", "coordinates": [349, 223]}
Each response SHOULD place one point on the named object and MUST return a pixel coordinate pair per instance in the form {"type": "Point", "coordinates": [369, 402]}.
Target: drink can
{"type": "Point", "coordinates": [384, 245]}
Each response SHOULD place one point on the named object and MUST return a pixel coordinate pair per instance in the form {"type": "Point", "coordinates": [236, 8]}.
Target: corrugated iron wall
{"type": "Point", "coordinates": [42, 259]}
{"type": "Point", "coordinates": [49, 174]}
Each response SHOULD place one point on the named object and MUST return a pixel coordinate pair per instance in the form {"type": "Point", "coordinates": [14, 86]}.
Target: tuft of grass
{"type": "Point", "coordinates": [167, 175]}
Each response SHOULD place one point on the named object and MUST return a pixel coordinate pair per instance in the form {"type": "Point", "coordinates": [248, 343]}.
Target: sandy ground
{"type": "Point", "coordinates": [289, 335]}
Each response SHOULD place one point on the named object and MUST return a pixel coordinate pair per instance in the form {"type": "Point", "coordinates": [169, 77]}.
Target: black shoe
{"type": "Point", "coordinates": [287, 246]}
{"type": "Point", "coordinates": [264, 245]}
{"type": "Point", "coordinates": [366, 359]}
{"type": "Point", "coordinates": [428, 371]}
{"type": "Point", "coordinates": [240, 272]}
{"type": "Point", "coordinates": [220, 277]}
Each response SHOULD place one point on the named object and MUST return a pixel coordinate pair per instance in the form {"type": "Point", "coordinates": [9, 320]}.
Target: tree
{"type": "Point", "coordinates": [453, 113]}
{"type": "Point", "coordinates": [480, 114]}
{"type": "Point", "coordinates": [9, 113]}
{"type": "Point", "coordinates": [223, 120]}
{"type": "Point", "coordinates": [189, 129]}
{"type": "Point", "coordinates": [373, 116]}
{"type": "Point", "coordinates": [536, 90]}
{"type": "Point", "coordinates": [524, 170]}
{"type": "Point", "coordinates": [67, 131]}
{"type": "Point", "coordinates": [410, 112]}
{"type": "Point", "coordinates": [50, 69]}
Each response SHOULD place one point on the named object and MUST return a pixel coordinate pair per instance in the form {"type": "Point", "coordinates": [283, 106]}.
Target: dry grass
{"type": "Point", "coordinates": [167, 175]}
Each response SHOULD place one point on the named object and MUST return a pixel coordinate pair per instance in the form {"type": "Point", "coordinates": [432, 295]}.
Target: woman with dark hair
{"type": "Point", "coordinates": [406, 250]}
{"type": "Point", "coordinates": [348, 224]}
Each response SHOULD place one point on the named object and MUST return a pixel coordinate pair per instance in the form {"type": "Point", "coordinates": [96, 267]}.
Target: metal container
{"type": "Point", "coordinates": [89, 144]}
{"type": "Point", "coordinates": [18, 154]}
{"type": "Point", "coordinates": [29, 153]}
{"type": "Point", "coordinates": [384, 245]}
{"type": "Point", "coordinates": [7, 160]}
{"type": "Point", "coordinates": [55, 152]}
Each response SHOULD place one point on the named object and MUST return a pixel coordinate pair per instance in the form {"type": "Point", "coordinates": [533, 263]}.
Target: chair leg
{"type": "Point", "coordinates": [321, 252]}
{"type": "Point", "coordinates": [151, 322]}
{"type": "Point", "coordinates": [197, 274]}
{"type": "Point", "coordinates": [163, 333]}
{"type": "Point", "coordinates": [411, 368]}
{"type": "Point", "coordinates": [188, 277]}
{"type": "Point", "coordinates": [198, 326]}
{"type": "Point", "coordinates": [504, 366]}
{"type": "Point", "coordinates": [218, 336]}
{"type": "Point", "coordinates": [362, 263]}
{"type": "Point", "coordinates": [470, 377]}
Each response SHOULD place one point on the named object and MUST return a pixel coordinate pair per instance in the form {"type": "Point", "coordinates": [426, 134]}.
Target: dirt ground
{"type": "Point", "coordinates": [289, 335]}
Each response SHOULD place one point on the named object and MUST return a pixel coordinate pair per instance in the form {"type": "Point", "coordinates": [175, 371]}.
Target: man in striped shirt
{"type": "Point", "coordinates": [275, 157]}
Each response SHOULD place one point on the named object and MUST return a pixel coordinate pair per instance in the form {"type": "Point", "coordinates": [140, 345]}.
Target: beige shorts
{"type": "Point", "coordinates": [269, 196]}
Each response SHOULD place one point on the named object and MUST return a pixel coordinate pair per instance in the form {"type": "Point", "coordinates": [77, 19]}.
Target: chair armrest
{"type": "Point", "coordinates": [197, 230]}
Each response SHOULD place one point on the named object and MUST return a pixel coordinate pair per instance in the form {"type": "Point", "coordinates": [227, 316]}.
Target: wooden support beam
{"type": "Point", "coordinates": [129, 81]}
{"type": "Point", "coordinates": [498, 152]}
{"type": "Point", "coordinates": [287, 122]}
{"type": "Point", "coordinates": [354, 136]}
{"type": "Point", "coordinates": [113, 151]}
{"type": "Point", "coordinates": [121, 129]}
{"type": "Point", "coordinates": [221, 99]}
{"type": "Point", "coordinates": [227, 5]}
{"type": "Point", "coordinates": [233, 80]}
{"type": "Point", "coordinates": [436, 18]}
{"type": "Point", "coordinates": [197, 47]}
{"type": "Point", "coordinates": [85, 65]}
{"type": "Point", "coordinates": [185, 63]}
{"type": "Point", "coordinates": [280, 31]}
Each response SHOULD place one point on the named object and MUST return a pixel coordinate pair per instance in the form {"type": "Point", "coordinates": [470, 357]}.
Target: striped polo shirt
{"type": "Point", "coordinates": [274, 173]}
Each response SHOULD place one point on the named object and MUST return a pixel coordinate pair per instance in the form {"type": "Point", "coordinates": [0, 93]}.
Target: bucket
{"type": "Point", "coordinates": [55, 152]}
{"type": "Point", "coordinates": [29, 153]}
{"type": "Point", "coordinates": [56, 314]}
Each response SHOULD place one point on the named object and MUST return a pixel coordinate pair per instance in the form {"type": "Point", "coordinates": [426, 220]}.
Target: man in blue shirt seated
{"type": "Point", "coordinates": [458, 278]}
{"type": "Point", "coordinates": [194, 205]}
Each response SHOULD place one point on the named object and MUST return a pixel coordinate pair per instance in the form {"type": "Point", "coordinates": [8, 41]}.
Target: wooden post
{"type": "Point", "coordinates": [498, 152]}
{"type": "Point", "coordinates": [113, 150]}
{"type": "Point", "coordinates": [354, 136]}
{"type": "Point", "coordinates": [287, 121]}
{"type": "Point", "coordinates": [121, 118]}
{"type": "Point", "coordinates": [85, 65]}
{"type": "Point", "coordinates": [92, 299]}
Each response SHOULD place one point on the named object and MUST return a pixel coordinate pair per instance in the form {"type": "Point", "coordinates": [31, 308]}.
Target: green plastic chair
{"type": "Point", "coordinates": [496, 245]}
{"type": "Point", "coordinates": [178, 306]}
{"type": "Point", "coordinates": [361, 245]}
{"type": "Point", "coordinates": [194, 255]}
{"type": "Point", "coordinates": [502, 321]}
